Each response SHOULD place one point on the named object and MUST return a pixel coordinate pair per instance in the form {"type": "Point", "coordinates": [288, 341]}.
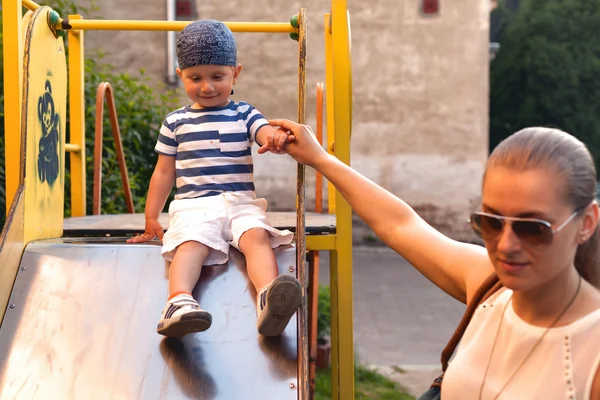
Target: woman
{"type": "Point", "coordinates": [539, 336]}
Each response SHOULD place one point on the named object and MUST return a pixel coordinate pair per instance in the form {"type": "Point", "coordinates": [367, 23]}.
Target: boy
{"type": "Point", "coordinates": [205, 148]}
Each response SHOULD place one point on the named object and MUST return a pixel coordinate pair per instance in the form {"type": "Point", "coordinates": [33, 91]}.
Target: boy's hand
{"type": "Point", "coordinates": [152, 230]}
{"type": "Point", "coordinates": [276, 139]}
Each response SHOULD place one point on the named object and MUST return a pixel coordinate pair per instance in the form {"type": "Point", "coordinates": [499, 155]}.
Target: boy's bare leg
{"type": "Point", "coordinates": [186, 266]}
{"type": "Point", "coordinates": [261, 262]}
{"type": "Point", "coordinates": [279, 296]}
{"type": "Point", "coordinates": [182, 314]}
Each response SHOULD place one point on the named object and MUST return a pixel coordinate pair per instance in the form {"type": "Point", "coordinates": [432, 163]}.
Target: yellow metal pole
{"type": "Point", "coordinates": [13, 78]}
{"type": "Point", "coordinates": [77, 119]}
{"type": "Point", "coordinates": [331, 192]}
{"type": "Point", "coordinates": [131, 25]}
{"type": "Point", "coordinates": [342, 86]}
{"type": "Point", "coordinates": [334, 323]}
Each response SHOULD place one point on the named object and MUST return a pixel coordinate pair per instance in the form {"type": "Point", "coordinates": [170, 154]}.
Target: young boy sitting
{"type": "Point", "coordinates": [205, 148]}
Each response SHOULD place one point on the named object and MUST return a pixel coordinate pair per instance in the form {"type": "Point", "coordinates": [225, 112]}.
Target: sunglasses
{"type": "Point", "coordinates": [532, 231]}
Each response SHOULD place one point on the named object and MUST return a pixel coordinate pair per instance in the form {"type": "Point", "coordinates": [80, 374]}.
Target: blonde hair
{"type": "Point", "coordinates": [556, 150]}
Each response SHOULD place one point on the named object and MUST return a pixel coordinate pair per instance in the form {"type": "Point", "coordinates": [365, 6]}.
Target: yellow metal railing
{"type": "Point", "coordinates": [124, 25]}
{"type": "Point", "coordinates": [30, 5]}
{"type": "Point", "coordinates": [105, 91]}
{"type": "Point", "coordinates": [133, 25]}
{"type": "Point", "coordinates": [72, 148]}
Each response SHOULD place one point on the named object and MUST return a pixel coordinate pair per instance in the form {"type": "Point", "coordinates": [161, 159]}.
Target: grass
{"type": "Point", "coordinates": [368, 384]}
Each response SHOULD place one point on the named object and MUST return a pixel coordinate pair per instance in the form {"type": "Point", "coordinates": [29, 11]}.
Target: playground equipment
{"type": "Point", "coordinates": [80, 305]}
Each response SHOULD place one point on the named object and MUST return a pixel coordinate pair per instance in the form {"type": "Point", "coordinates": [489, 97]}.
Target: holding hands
{"type": "Point", "coordinates": [302, 143]}
{"type": "Point", "coordinates": [274, 140]}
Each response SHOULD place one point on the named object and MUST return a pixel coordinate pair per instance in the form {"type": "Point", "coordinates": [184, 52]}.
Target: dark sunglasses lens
{"type": "Point", "coordinates": [532, 232]}
{"type": "Point", "coordinates": [486, 226]}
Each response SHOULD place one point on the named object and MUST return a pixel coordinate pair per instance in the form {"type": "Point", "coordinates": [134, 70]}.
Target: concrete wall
{"type": "Point", "coordinates": [128, 50]}
{"type": "Point", "coordinates": [420, 91]}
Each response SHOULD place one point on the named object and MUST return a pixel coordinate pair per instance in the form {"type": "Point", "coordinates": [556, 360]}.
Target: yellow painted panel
{"type": "Point", "coordinates": [44, 123]}
{"type": "Point", "coordinates": [11, 248]}
{"type": "Point", "coordinates": [24, 22]}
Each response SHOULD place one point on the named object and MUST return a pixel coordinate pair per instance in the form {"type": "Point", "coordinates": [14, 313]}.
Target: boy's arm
{"type": "Point", "coordinates": [161, 184]}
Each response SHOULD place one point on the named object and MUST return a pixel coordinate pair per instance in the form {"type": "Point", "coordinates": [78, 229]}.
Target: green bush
{"type": "Point", "coordinates": [324, 312]}
{"type": "Point", "coordinates": [141, 110]}
{"type": "Point", "coordinates": [546, 72]}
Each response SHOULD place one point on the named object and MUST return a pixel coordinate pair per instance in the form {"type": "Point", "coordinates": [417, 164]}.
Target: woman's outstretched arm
{"type": "Point", "coordinates": [457, 268]}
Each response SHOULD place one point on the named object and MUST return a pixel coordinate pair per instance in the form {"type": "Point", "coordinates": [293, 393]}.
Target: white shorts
{"type": "Point", "coordinates": [218, 222]}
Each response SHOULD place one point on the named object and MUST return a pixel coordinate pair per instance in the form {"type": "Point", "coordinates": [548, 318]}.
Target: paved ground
{"type": "Point", "coordinates": [402, 321]}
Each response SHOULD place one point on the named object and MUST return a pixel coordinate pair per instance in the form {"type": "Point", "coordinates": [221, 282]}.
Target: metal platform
{"type": "Point", "coordinates": [123, 224]}
{"type": "Point", "coordinates": [81, 324]}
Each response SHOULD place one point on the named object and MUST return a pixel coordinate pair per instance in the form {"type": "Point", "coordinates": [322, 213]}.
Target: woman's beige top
{"type": "Point", "coordinates": [563, 365]}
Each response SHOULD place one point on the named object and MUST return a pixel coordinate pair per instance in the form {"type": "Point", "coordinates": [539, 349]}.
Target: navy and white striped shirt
{"type": "Point", "coordinates": [212, 148]}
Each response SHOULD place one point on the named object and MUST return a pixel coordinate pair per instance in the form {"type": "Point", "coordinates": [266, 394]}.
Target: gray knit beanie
{"type": "Point", "coordinates": [206, 42]}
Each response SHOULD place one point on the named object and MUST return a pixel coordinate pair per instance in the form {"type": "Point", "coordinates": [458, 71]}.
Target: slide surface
{"type": "Point", "coordinates": [81, 324]}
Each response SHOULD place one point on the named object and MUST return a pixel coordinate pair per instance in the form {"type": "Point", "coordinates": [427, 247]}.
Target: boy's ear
{"type": "Point", "coordinates": [178, 72]}
{"type": "Point", "coordinates": [236, 73]}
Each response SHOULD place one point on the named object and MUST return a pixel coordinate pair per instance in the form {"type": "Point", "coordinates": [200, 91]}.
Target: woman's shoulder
{"type": "Point", "coordinates": [587, 312]}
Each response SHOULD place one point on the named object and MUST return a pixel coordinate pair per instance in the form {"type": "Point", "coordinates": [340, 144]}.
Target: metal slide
{"type": "Point", "coordinates": [82, 312]}
{"type": "Point", "coordinates": [81, 324]}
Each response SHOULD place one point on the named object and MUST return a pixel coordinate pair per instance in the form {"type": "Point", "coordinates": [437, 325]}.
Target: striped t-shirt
{"type": "Point", "coordinates": [212, 148]}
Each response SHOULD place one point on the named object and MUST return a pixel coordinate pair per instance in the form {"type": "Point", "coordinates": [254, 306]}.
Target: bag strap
{"type": "Point", "coordinates": [487, 288]}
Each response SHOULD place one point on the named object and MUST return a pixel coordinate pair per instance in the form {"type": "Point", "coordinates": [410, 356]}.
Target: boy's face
{"type": "Point", "coordinates": [209, 85]}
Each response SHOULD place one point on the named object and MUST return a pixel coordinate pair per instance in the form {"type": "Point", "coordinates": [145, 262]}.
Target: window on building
{"type": "Point", "coordinates": [177, 10]}
{"type": "Point", "coordinates": [430, 7]}
{"type": "Point", "coordinates": [183, 9]}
